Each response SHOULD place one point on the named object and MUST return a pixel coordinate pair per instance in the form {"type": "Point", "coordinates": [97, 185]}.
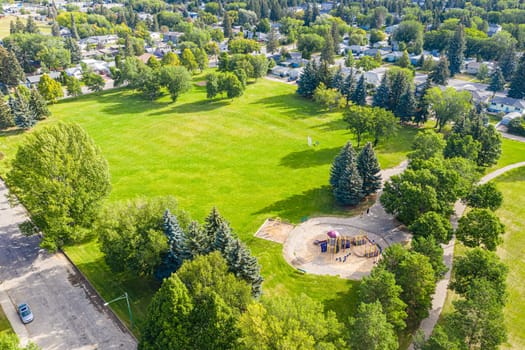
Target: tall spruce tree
{"type": "Point", "coordinates": [244, 265]}
{"type": "Point", "coordinates": [382, 95]}
{"type": "Point", "coordinates": [309, 80]}
{"type": "Point", "coordinates": [422, 110]}
{"type": "Point", "coordinates": [517, 84]}
{"type": "Point", "coordinates": [340, 162]}
{"type": "Point", "coordinates": [508, 62]}
{"type": "Point", "coordinates": [197, 240]}
{"type": "Point", "coordinates": [349, 189]}
{"type": "Point", "coordinates": [38, 105]}
{"type": "Point", "coordinates": [178, 250]}
{"type": "Point", "coordinates": [74, 32]}
{"type": "Point", "coordinates": [227, 25]}
{"type": "Point", "coordinates": [328, 50]}
{"type": "Point", "coordinates": [11, 73]}
{"type": "Point", "coordinates": [441, 73]}
{"type": "Point", "coordinates": [406, 108]}
{"type": "Point", "coordinates": [359, 95]}
{"type": "Point", "coordinates": [6, 116]}
{"type": "Point", "coordinates": [455, 50]}
{"type": "Point", "coordinates": [347, 89]}
{"type": "Point", "coordinates": [24, 118]}
{"type": "Point", "coordinates": [217, 230]}
{"type": "Point", "coordinates": [31, 26]}
{"type": "Point", "coordinates": [368, 167]}
{"type": "Point", "coordinates": [497, 81]}
{"type": "Point", "coordinates": [55, 29]}
{"type": "Point", "coordinates": [72, 45]}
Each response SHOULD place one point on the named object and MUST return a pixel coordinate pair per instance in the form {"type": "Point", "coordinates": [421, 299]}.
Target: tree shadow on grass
{"type": "Point", "coordinates": [309, 158]}
{"type": "Point", "coordinates": [344, 303]}
{"type": "Point", "coordinates": [198, 106]}
{"type": "Point", "coordinates": [293, 105]}
{"type": "Point", "coordinates": [333, 125]}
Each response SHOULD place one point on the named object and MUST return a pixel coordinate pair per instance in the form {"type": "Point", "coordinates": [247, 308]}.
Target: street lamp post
{"type": "Point", "coordinates": [124, 296]}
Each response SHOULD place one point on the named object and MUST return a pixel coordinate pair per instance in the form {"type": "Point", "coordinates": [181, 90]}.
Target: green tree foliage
{"type": "Point", "coordinates": [188, 60]}
{"type": "Point", "coordinates": [456, 49]}
{"type": "Point", "coordinates": [93, 81]}
{"type": "Point", "coordinates": [367, 63]}
{"type": "Point", "coordinates": [9, 341]}
{"type": "Point", "coordinates": [131, 234]}
{"type": "Point", "coordinates": [50, 89]}
{"type": "Point", "coordinates": [485, 196]}
{"type": "Point", "coordinates": [359, 121]}
{"type": "Point", "coordinates": [72, 45]}
{"type": "Point", "coordinates": [38, 106]}
{"type": "Point", "coordinates": [290, 323]}
{"type": "Point", "coordinates": [273, 41]}
{"type": "Point", "coordinates": [244, 265]}
{"type": "Point", "coordinates": [31, 26]}
{"type": "Point", "coordinates": [439, 340]}
{"type": "Point", "coordinates": [381, 286]}
{"type": "Point", "coordinates": [177, 79]}
{"type": "Point", "coordinates": [11, 74]}
{"type": "Point", "coordinates": [24, 117]}
{"type": "Point", "coordinates": [448, 105]}
{"type": "Point", "coordinates": [478, 320]}
{"type": "Point", "coordinates": [461, 146]}
{"type": "Point", "coordinates": [212, 85]}
{"type": "Point", "coordinates": [328, 98]}
{"type": "Point", "coordinates": [433, 251]}
{"type": "Point", "coordinates": [382, 95]}
{"type": "Point", "coordinates": [170, 59]}
{"type": "Point", "coordinates": [349, 187]}
{"type": "Point", "coordinates": [410, 33]}
{"type": "Point", "coordinates": [309, 79]}
{"type": "Point", "coordinates": [441, 72]}
{"type": "Point", "coordinates": [359, 95]}
{"type": "Point", "coordinates": [479, 264]}
{"type": "Point", "coordinates": [340, 162]}
{"type": "Point", "coordinates": [244, 46]}
{"type": "Point", "coordinates": [404, 61]}
{"type": "Point", "coordinates": [517, 84]}
{"type": "Point", "coordinates": [431, 224]}
{"type": "Point", "coordinates": [508, 63]}
{"type": "Point", "coordinates": [6, 115]}
{"type": "Point", "coordinates": [369, 329]}
{"type": "Point", "coordinates": [480, 227]}
{"type": "Point", "coordinates": [73, 86]}
{"type": "Point", "coordinates": [227, 25]}
{"type": "Point", "coordinates": [368, 167]}
{"type": "Point", "coordinates": [328, 50]}
{"type": "Point", "coordinates": [61, 177]}
{"type": "Point", "coordinates": [309, 43]}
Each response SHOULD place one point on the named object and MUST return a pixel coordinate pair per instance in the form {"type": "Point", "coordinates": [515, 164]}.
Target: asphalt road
{"type": "Point", "coordinates": [68, 314]}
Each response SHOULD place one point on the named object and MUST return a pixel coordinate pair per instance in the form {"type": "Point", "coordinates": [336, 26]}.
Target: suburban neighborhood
{"type": "Point", "coordinates": [262, 174]}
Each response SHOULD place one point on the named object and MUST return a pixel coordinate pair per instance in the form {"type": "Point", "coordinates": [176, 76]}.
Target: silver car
{"type": "Point", "coordinates": [25, 313]}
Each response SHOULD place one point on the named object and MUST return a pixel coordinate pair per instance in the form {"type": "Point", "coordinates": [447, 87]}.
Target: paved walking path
{"type": "Point", "coordinates": [68, 314]}
{"type": "Point", "coordinates": [438, 299]}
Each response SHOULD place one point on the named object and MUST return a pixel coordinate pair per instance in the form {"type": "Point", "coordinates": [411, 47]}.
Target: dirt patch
{"type": "Point", "coordinates": [274, 230]}
{"type": "Point", "coordinates": [201, 83]}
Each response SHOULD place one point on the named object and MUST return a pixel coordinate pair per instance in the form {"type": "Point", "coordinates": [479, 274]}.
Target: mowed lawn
{"type": "Point", "coordinates": [5, 23]}
{"type": "Point", "coordinates": [249, 157]}
{"type": "Point", "coordinates": [511, 251]}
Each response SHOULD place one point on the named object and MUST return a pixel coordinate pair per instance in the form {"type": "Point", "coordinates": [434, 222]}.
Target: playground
{"type": "Point", "coordinates": [344, 247]}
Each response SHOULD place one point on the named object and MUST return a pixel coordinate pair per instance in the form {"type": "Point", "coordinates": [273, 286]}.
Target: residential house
{"type": "Point", "coordinates": [472, 67]}
{"type": "Point", "coordinates": [375, 76]}
{"type": "Point", "coordinates": [394, 56]}
{"type": "Point", "coordinates": [373, 52]}
{"type": "Point", "coordinates": [493, 29]}
{"type": "Point", "coordinates": [74, 72]}
{"type": "Point", "coordinates": [33, 80]}
{"type": "Point", "coordinates": [357, 49]}
{"type": "Point", "coordinates": [507, 118]}
{"type": "Point", "coordinates": [506, 104]}
{"type": "Point", "coordinates": [172, 37]}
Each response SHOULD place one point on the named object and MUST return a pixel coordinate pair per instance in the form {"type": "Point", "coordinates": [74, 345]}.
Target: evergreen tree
{"type": "Point", "coordinates": [74, 32]}
{"type": "Point", "coordinates": [349, 189]}
{"type": "Point", "coordinates": [12, 28]}
{"type": "Point", "coordinates": [38, 105]}
{"type": "Point", "coordinates": [455, 50]}
{"type": "Point", "coordinates": [212, 85]}
{"type": "Point", "coordinates": [338, 81]}
{"type": "Point", "coordinates": [497, 82]}
{"type": "Point", "coordinates": [273, 41]}
{"type": "Point", "coordinates": [6, 116]}
{"type": "Point", "coordinates": [156, 27]}
{"type": "Point", "coordinates": [382, 95]}
{"type": "Point", "coordinates": [11, 74]}
{"type": "Point", "coordinates": [345, 156]}
{"type": "Point", "coordinates": [129, 50]}
{"type": "Point", "coordinates": [334, 33]}
{"type": "Point", "coordinates": [406, 108]}
{"type": "Point", "coordinates": [244, 265]}
{"type": "Point", "coordinates": [422, 111]}
{"type": "Point", "coordinates": [197, 240]}
{"type": "Point", "coordinates": [368, 167]}
{"type": "Point", "coordinates": [218, 231]}
{"type": "Point", "coordinates": [227, 25]}
{"type": "Point", "coordinates": [347, 89]}
{"type": "Point", "coordinates": [517, 84]}
{"type": "Point", "coordinates": [441, 73]}
{"type": "Point", "coordinates": [20, 27]}
{"type": "Point", "coordinates": [508, 62]}
{"type": "Point", "coordinates": [328, 51]}
{"type": "Point", "coordinates": [326, 74]}
{"type": "Point", "coordinates": [72, 45]}
{"type": "Point", "coordinates": [309, 80]}
{"type": "Point", "coordinates": [404, 61]}
{"type": "Point", "coordinates": [359, 95]}
{"type": "Point", "coordinates": [31, 26]}
{"type": "Point", "coordinates": [55, 29]}
{"type": "Point", "coordinates": [349, 60]}
{"type": "Point", "coordinates": [24, 118]}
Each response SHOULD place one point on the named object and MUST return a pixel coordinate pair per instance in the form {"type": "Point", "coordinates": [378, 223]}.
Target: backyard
{"type": "Point", "coordinates": [249, 157]}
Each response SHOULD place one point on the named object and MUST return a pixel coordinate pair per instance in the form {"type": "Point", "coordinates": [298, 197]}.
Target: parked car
{"type": "Point", "coordinates": [25, 313]}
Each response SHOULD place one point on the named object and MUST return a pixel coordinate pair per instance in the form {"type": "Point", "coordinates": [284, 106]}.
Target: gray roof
{"type": "Point", "coordinates": [508, 101]}
{"type": "Point", "coordinates": [35, 79]}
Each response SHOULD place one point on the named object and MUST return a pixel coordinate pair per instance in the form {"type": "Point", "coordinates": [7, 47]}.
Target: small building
{"type": "Point", "coordinates": [357, 49]}
{"type": "Point", "coordinates": [472, 67]}
{"type": "Point", "coordinates": [375, 76]}
{"type": "Point", "coordinates": [74, 72]}
{"type": "Point", "coordinates": [373, 53]}
{"type": "Point", "coordinates": [493, 29]}
{"type": "Point", "coordinates": [506, 104]}
{"type": "Point", "coordinates": [394, 56]}
{"type": "Point", "coordinates": [507, 118]}
{"type": "Point", "coordinates": [172, 37]}
{"type": "Point", "coordinates": [33, 80]}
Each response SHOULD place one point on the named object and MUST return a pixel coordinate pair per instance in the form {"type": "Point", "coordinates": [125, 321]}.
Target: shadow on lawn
{"type": "Point", "coordinates": [333, 125]}
{"type": "Point", "coordinates": [313, 201]}
{"type": "Point", "coordinates": [295, 106]}
{"type": "Point", "coordinates": [309, 158]}
{"type": "Point", "coordinates": [198, 106]}
{"type": "Point", "coordinates": [344, 303]}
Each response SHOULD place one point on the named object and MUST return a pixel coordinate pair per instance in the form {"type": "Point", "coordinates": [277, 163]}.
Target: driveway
{"type": "Point", "coordinates": [68, 313]}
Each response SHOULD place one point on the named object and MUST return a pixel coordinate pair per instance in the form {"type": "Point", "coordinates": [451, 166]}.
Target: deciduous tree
{"type": "Point", "coordinates": [485, 196]}
{"type": "Point", "coordinates": [480, 227]}
{"type": "Point", "coordinates": [369, 329]}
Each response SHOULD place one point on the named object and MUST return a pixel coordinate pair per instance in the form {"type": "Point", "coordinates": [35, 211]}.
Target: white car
{"type": "Point", "coordinates": [24, 311]}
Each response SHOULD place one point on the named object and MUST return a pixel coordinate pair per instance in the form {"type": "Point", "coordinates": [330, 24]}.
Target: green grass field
{"type": "Point", "coordinates": [249, 157]}
{"type": "Point", "coordinates": [5, 25]}
{"type": "Point", "coordinates": [512, 213]}
{"type": "Point", "coordinates": [5, 326]}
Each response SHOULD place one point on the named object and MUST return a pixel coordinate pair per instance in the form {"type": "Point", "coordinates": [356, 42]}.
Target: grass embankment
{"type": "Point", "coordinates": [5, 26]}
{"type": "Point", "coordinates": [5, 326]}
{"type": "Point", "coordinates": [249, 157]}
